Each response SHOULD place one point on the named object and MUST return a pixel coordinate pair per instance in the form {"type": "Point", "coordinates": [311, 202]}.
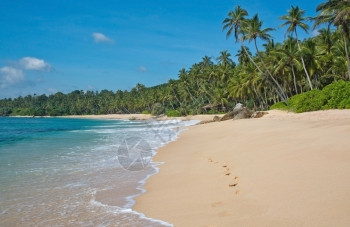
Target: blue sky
{"type": "Point", "coordinates": [65, 45]}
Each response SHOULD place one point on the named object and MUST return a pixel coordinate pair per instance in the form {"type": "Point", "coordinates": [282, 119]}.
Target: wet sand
{"type": "Point", "coordinates": [283, 169]}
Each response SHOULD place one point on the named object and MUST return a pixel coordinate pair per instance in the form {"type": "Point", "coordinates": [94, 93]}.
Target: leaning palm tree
{"type": "Point", "coordinates": [233, 24]}
{"type": "Point", "coordinates": [252, 30]}
{"type": "Point", "coordinates": [287, 58]}
{"type": "Point", "coordinates": [337, 13]}
{"type": "Point", "coordinates": [295, 19]}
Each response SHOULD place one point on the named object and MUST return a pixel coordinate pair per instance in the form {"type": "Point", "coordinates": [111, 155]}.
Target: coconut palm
{"type": "Point", "coordinates": [311, 56]}
{"type": "Point", "coordinates": [252, 31]}
{"type": "Point", "coordinates": [224, 58]}
{"type": "Point", "coordinates": [337, 13]}
{"type": "Point", "coordinates": [295, 19]}
{"type": "Point", "coordinates": [243, 59]}
{"type": "Point", "coordinates": [234, 23]}
{"type": "Point", "coordinates": [287, 57]}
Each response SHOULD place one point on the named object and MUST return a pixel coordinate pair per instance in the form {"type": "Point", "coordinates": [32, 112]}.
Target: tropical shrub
{"type": "Point", "coordinates": [309, 101]}
{"type": "Point", "coordinates": [279, 106]}
{"type": "Point", "coordinates": [338, 95]}
{"type": "Point", "coordinates": [173, 113]}
{"type": "Point", "coordinates": [333, 96]}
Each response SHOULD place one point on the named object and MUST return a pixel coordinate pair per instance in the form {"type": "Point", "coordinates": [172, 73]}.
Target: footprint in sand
{"type": "Point", "coordinates": [227, 172]}
{"type": "Point", "coordinates": [224, 213]}
{"type": "Point", "coordinates": [216, 204]}
{"type": "Point", "coordinates": [234, 183]}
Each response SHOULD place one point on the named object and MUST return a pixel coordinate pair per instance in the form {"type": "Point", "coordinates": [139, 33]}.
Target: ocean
{"type": "Point", "coordinates": [78, 172]}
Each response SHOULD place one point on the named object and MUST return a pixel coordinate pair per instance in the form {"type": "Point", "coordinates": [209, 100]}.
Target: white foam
{"type": "Point", "coordinates": [119, 210]}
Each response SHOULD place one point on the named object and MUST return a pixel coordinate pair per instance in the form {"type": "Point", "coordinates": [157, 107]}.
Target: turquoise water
{"type": "Point", "coordinates": [58, 171]}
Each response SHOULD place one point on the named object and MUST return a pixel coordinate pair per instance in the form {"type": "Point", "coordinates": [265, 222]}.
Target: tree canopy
{"type": "Point", "coordinates": [275, 72]}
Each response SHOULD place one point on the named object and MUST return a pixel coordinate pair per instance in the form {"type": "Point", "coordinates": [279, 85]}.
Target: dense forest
{"type": "Point", "coordinates": [274, 73]}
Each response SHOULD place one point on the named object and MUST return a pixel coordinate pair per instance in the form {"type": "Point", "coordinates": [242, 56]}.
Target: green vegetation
{"type": "Point", "coordinates": [333, 96]}
{"type": "Point", "coordinates": [173, 113]}
{"type": "Point", "coordinates": [297, 72]}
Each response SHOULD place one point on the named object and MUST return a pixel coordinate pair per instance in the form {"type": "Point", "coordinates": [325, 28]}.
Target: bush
{"type": "Point", "coordinates": [338, 95]}
{"type": "Point", "coordinates": [333, 96]}
{"type": "Point", "coordinates": [173, 113]}
{"type": "Point", "coordinates": [145, 112]}
{"type": "Point", "coordinates": [279, 106]}
{"type": "Point", "coordinates": [309, 101]}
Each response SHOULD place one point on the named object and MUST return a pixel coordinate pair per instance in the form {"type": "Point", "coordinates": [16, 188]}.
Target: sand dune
{"type": "Point", "coordinates": [283, 169]}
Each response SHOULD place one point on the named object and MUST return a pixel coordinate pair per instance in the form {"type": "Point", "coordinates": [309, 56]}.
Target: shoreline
{"type": "Point", "coordinates": [273, 177]}
{"type": "Point", "coordinates": [200, 117]}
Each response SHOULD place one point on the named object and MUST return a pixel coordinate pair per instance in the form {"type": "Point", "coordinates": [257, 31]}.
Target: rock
{"type": "Point", "coordinates": [238, 107]}
{"type": "Point", "coordinates": [216, 118]}
{"type": "Point", "coordinates": [236, 110]}
{"type": "Point", "coordinates": [243, 114]}
{"type": "Point", "coordinates": [227, 116]}
{"type": "Point", "coordinates": [258, 114]}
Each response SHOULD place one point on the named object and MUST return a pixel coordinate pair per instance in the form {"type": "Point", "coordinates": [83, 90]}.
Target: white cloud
{"type": "Point", "coordinates": [14, 73]}
{"type": "Point", "coordinates": [315, 33]}
{"type": "Point", "coordinates": [30, 63]}
{"type": "Point", "coordinates": [10, 76]}
{"type": "Point", "coordinates": [52, 90]}
{"type": "Point", "coordinates": [101, 38]}
{"type": "Point", "coordinates": [142, 68]}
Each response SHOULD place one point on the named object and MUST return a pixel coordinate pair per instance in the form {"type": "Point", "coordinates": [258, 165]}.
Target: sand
{"type": "Point", "coordinates": [202, 118]}
{"type": "Point", "coordinates": [283, 169]}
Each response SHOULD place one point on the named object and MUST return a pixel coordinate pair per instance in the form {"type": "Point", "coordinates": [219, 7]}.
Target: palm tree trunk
{"type": "Point", "coordinates": [251, 59]}
{"type": "Point", "coordinates": [262, 73]}
{"type": "Point", "coordinates": [347, 55]}
{"type": "Point", "coordinates": [302, 60]}
{"type": "Point", "coordinates": [294, 80]}
{"type": "Point", "coordinates": [268, 71]}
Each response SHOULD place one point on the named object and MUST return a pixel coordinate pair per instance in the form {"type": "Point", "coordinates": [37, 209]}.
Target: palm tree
{"type": "Point", "coordinates": [311, 56]}
{"type": "Point", "coordinates": [287, 55]}
{"type": "Point", "coordinates": [224, 58]}
{"type": "Point", "coordinates": [293, 20]}
{"type": "Point", "coordinates": [337, 13]}
{"type": "Point", "coordinates": [325, 41]}
{"type": "Point", "coordinates": [243, 59]}
{"type": "Point", "coordinates": [233, 24]}
{"type": "Point", "coordinates": [252, 30]}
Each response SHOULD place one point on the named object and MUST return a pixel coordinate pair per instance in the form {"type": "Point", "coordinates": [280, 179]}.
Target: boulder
{"type": "Point", "coordinates": [243, 114]}
{"type": "Point", "coordinates": [238, 112]}
{"type": "Point", "coordinates": [216, 118]}
{"type": "Point", "coordinates": [228, 116]}
{"type": "Point", "coordinates": [258, 114]}
{"type": "Point", "coordinates": [238, 107]}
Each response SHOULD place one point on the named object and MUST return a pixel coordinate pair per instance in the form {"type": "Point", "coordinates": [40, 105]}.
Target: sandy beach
{"type": "Point", "coordinates": [202, 118]}
{"type": "Point", "coordinates": [284, 169]}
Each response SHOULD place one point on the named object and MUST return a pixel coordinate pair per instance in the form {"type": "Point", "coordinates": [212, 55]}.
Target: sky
{"type": "Point", "coordinates": [64, 45]}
